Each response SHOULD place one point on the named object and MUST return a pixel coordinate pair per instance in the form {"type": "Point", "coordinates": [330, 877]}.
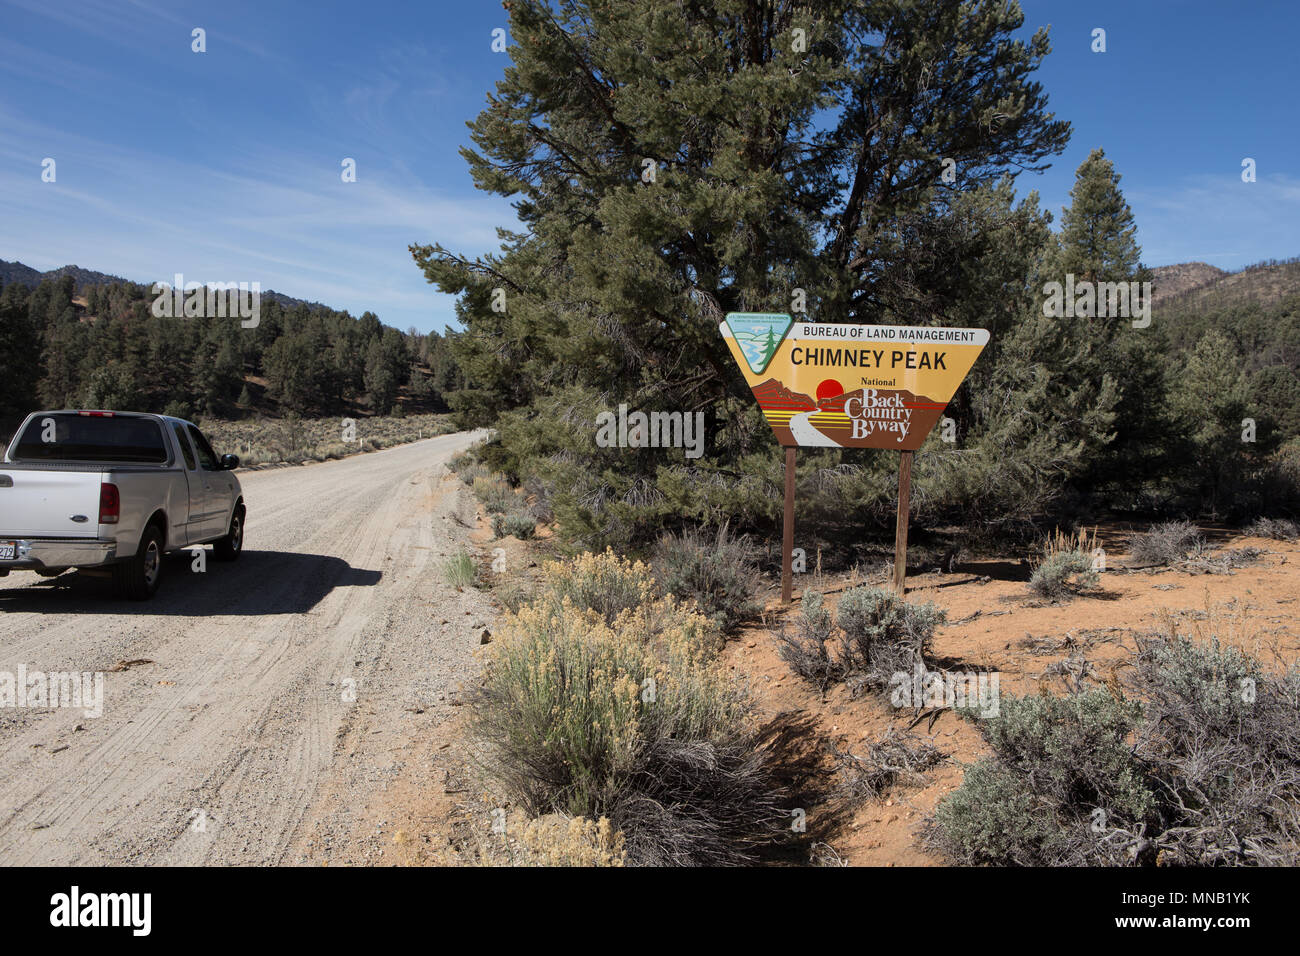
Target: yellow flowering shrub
{"type": "Point", "coordinates": [548, 841]}
{"type": "Point", "coordinates": [623, 594]}
{"type": "Point", "coordinates": [605, 583]}
{"type": "Point", "coordinates": [601, 699]}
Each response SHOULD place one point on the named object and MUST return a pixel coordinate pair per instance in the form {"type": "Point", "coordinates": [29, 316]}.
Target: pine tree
{"type": "Point", "coordinates": [699, 159]}
{"type": "Point", "coordinates": [1098, 244]}
{"type": "Point", "coordinates": [1210, 403]}
{"type": "Point", "coordinates": [1098, 234]}
{"type": "Point", "coordinates": [20, 354]}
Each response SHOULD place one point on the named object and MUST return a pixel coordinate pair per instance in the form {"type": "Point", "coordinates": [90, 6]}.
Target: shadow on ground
{"type": "Point", "coordinates": [259, 583]}
{"type": "Point", "coordinates": [799, 757]}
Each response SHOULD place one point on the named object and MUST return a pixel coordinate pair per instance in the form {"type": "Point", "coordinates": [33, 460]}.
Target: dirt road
{"type": "Point", "coordinates": [230, 699]}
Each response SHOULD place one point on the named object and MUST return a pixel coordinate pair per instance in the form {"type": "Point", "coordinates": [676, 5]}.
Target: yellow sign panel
{"type": "Point", "coordinates": [850, 386]}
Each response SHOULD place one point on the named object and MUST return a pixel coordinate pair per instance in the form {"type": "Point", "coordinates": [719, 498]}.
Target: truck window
{"type": "Point", "coordinates": [70, 436]}
{"type": "Point", "coordinates": [207, 457]}
{"type": "Point", "coordinates": [185, 445]}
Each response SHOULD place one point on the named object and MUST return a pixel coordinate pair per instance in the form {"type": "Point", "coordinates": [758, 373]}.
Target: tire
{"type": "Point", "coordinates": [138, 577]}
{"type": "Point", "coordinates": [231, 546]}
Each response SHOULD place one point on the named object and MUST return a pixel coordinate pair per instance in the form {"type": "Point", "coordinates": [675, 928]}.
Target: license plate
{"type": "Point", "coordinates": [8, 550]}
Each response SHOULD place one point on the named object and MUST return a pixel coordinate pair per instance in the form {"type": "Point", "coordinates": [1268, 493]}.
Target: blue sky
{"type": "Point", "coordinates": [225, 166]}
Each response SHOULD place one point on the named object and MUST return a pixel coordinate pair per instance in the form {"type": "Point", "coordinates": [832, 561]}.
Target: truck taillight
{"type": "Point", "coordinates": [110, 504]}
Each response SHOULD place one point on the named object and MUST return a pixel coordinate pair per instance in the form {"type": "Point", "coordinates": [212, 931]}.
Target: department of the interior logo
{"type": "Point", "coordinates": [759, 335]}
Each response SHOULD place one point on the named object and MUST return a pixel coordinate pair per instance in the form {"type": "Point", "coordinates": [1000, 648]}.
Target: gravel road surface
{"type": "Point", "coordinates": [230, 700]}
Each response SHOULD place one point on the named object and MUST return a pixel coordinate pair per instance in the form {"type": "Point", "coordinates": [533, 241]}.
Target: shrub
{"type": "Point", "coordinates": [496, 495]}
{"type": "Point", "coordinates": [1063, 574]}
{"type": "Point", "coordinates": [1224, 562]}
{"type": "Point", "coordinates": [333, 451]}
{"type": "Point", "coordinates": [880, 635]}
{"type": "Point", "coordinates": [1223, 737]}
{"type": "Point", "coordinates": [891, 758]}
{"type": "Point", "coordinates": [513, 594]}
{"type": "Point", "coordinates": [459, 569]}
{"type": "Point", "coordinates": [584, 718]}
{"type": "Point", "coordinates": [717, 572]}
{"type": "Point", "coordinates": [604, 583]}
{"type": "Point", "coordinates": [884, 634]}
{"type": "Point", "coordinates": [622, 593]}
{"type": "Point", "coordinates": [473, 472]}
{"type": "Point", "coordinates": [806, 649]}
{"type": "Point", "coordinates": [1165, 544]}
{"type": "Point", "coordinates": [993, 819]}
{"type": "Point", "coordinates": [1074, 748]}
{"type": "Point", "coordinates": [555, 841]}
{"type": "Point", "coordinates": [1056, 761]}
{"type": "Point", "coordinates": [540, 507]}
{"type": "Point", "coordinates": [517, 525]}
{"type": "Point", "coordinates": [1199, 768]}
{"type": "Point", "coordinates": [1279, 529]}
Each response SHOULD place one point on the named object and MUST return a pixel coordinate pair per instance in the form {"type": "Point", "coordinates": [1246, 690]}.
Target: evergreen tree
{"type": "Point", "coordinates": [1211, 404]}
{"type": "Point", "coordinates": [700, 159]}
{"type": "Point", "coordinates": [1098, 234]}
{"type": "Point", "coordinates": [1098, 245]}
{"type": "Point", "coordinates": [20, 353]}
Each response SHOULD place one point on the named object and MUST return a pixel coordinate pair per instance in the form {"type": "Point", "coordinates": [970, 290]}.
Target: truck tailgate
{"type": "Point", "coordinates": [44, 503]}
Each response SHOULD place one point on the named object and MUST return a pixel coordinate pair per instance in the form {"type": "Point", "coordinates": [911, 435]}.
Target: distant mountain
{"type": "Point", "coordinates": [11, 272]}
{"type": "Point", "coordinates": [1197, 287]}
{"type": "Point", "coordinates": [1173, 280]}
{"type": "Point", "coordinates": [17, 272]}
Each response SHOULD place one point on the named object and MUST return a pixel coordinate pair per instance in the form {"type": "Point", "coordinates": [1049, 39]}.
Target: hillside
{"type": "Point", "coordinates": [11, 272]}
{"type": "Point", "coordinates": [102, 347]}
{"type": "Point", "coordinates": [18, 273]}
{"type": "Point", "coordinates": [1167, 281]}
{"type": "Point", "coordinates": [1197, 287]}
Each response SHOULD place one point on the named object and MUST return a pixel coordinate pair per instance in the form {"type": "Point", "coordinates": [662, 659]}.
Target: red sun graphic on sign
{"type": "Point", "coordinates": [829, 388]}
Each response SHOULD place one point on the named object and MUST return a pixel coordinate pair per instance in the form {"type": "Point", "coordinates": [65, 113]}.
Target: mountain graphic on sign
{"type": "Point", "coordinates": [772, 394]}
{"type": "Point", "coordinates": [759, 335]}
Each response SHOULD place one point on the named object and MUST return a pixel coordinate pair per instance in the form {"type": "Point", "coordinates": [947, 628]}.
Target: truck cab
{"type": "Point", "coordinates": [92, 488]}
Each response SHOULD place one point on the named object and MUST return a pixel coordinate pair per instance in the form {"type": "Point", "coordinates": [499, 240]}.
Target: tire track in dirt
{"type": "Point", "coordinates": [239, 715]}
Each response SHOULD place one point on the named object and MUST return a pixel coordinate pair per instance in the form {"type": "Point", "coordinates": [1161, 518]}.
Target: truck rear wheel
{"type": "Point", "coordinates": [138, 577]}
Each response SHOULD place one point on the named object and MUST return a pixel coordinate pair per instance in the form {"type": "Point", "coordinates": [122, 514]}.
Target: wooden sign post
{"type": "Point", "coordinates": [787, 530]}
{"type": "Point", "coordinates": [900, 525]}
{"type": "Point", "coordinates": [827, 385]}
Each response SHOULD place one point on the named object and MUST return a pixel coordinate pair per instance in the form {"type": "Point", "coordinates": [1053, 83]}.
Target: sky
{"type": "Point", "coordinates": [226, 165]}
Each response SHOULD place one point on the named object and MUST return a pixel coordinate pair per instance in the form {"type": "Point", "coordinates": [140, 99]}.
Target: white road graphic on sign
{"type": "Point", "coordinates": [805, 435]}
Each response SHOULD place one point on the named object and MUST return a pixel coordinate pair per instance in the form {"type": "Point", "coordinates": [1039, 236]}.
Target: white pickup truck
{"type": "Point", "coordinates": [89, 489]}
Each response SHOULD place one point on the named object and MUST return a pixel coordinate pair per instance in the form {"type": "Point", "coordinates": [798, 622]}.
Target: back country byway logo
{"type": "Point", "coordinates": [758, 335]}
{"type": "Point", "coordinates": [850, 386]}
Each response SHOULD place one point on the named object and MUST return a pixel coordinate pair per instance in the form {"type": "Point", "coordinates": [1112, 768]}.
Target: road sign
{"type": "Point", "coordinates": [850, 386]}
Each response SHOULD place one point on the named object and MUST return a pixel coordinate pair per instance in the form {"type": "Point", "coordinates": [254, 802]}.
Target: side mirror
{"type": "Point", "coordinates": [229, 462]}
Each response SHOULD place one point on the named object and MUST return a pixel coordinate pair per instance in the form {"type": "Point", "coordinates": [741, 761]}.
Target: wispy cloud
{"type": "Point", "coordinates": [1198, 215]}
{"type": "Point", "coordinates": [285, 220]}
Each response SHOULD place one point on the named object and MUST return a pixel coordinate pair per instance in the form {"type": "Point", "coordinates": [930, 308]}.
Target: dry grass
{"type": "Point", "coordinates": [297, 440]}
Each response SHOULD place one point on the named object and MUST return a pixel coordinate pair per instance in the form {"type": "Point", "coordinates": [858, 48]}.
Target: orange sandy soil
{"type": "Point", "coordinates": [432, 812]}
{"type": "Point", "coordinates": [995, 623]}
